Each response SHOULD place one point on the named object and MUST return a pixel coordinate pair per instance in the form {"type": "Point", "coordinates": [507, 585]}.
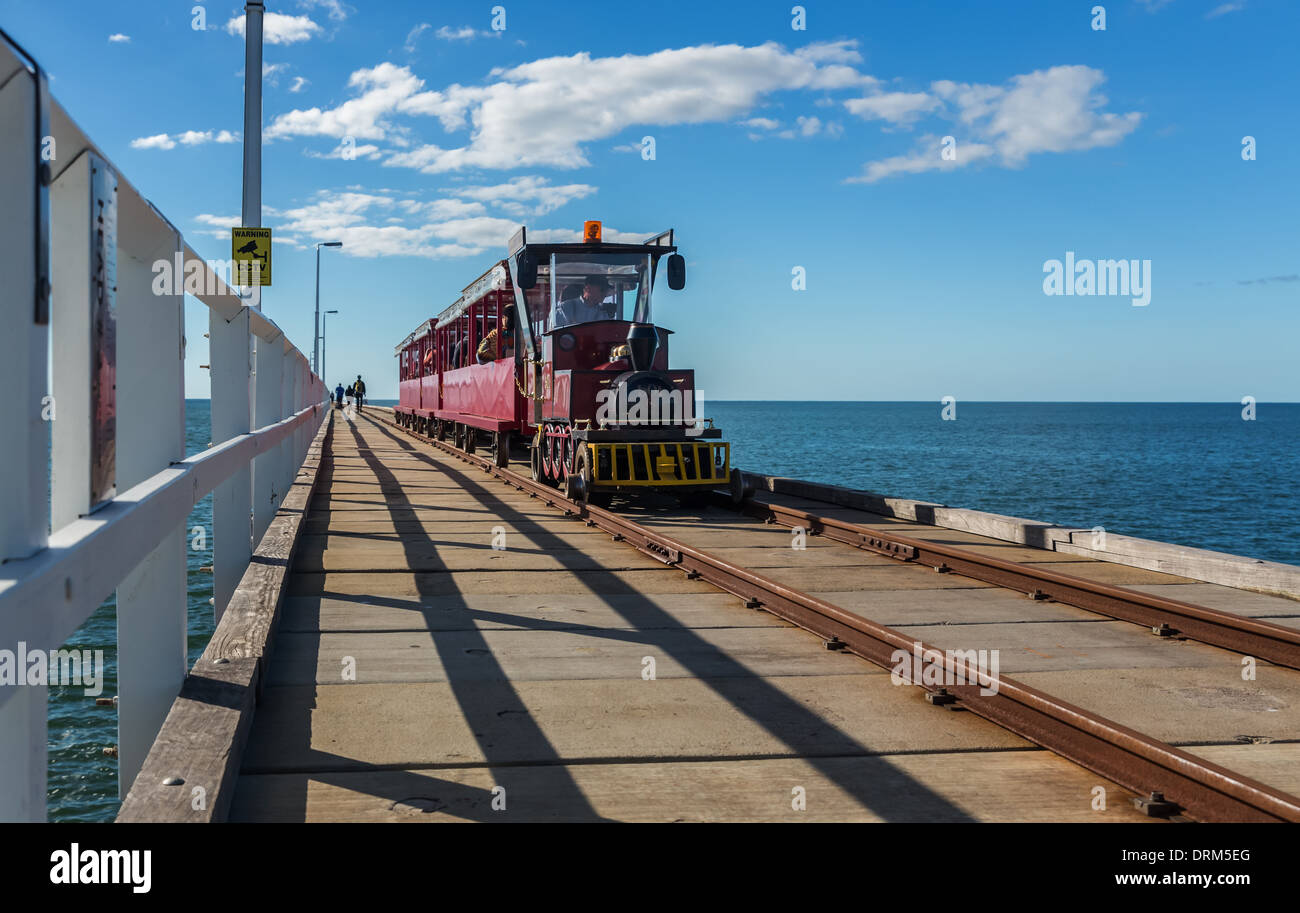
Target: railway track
{"type": "Point", "coordinates": [1165, 617]}
{"type": "Point", "coordinates": [1174, 783]}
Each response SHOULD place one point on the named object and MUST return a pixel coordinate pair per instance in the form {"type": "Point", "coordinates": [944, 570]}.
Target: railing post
{"type": "Point", "coordinates": [27, 411]}
{"type": "Point", "coordinates": [83, 204]}
{"type": "Point", "coordinates": [231, 377]}
{"type": "Point", "coordinates": [151, 599]}
{"type": "Point", "coordinates": [267, 406]}
{"type": "Point", "coordinates": [300, 401]}
{"type": "Point", "coordinates": [284, 452]}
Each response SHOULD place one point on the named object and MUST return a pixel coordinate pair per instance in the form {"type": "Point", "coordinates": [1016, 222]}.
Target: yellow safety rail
{"type": "Point", "coordinates": [661, 463]}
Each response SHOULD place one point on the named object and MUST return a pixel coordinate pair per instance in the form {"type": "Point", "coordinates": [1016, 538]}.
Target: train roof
{"type": "Point", "coordinates": [494, 279]}
{"type": "Point", "coordinates": [498, 276]}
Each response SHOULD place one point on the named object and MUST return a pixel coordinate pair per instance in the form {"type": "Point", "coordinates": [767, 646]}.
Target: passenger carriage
{"type": "Point", "coordinates": [584, 382]}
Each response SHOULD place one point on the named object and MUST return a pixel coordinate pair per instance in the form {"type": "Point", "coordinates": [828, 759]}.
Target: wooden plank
{"type": "Point", "coordinates": [203, 736]}
{"type": "Point", "coordinates": [550, 655]}
{"type": "Point", "coordinates": [1277, 609]}
{"type": "Point", "coordinates": [1185, 706]}
{"type": "Point", "coordinates": [557, 582]}
{"type": "Point", "coordinates": [347, 727]}
{"type": "Point", "coordinates": [1004, 786]}
{"type": "Point", "coordinates": [459, 612]}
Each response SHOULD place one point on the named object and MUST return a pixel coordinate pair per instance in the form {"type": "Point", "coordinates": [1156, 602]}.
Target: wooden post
{"type": "Point", "coordinates": [267, 410]}
{"type": "Point", "coordinates": [24, 528]}
{"type": "Point", "coordinates": [151, 600]}
{"type": "Point", "coordinates": [231, 378]}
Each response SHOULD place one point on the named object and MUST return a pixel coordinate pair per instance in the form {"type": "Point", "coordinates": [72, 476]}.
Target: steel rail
{"type": "Point", "coordinates": [1165, 617]}
{"type": "Point", "coordinates": [1171, 781]}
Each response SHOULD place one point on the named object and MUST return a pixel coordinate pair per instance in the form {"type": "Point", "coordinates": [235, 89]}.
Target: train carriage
{"type": "Point", "coordinates": [555, 349]}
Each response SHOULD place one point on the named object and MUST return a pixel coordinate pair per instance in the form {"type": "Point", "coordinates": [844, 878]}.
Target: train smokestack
{"type": "Point", "coordinates": [642, 343]}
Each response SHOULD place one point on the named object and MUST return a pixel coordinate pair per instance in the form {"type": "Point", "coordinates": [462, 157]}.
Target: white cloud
{"type": "Point", "coordinates": [528, 195]}
{"type": "Point", "coordinates": [895, 107]}
{"type": "Point", "coordinates": [188, 138]}
{"type": "Point", "coordinates": [541, 113]}
{"type": "Point", "coordinates": [161, 141]}
{"type": "Point", "coordinates": [386, 223]}
{"type": "Point", "coordinates": [1054, 110]}
{"type": "Point", "coordinates": [762, 123]}
{"type": "Point", "coordinates": [414, 35]}
{"type": "Point", "coordinates": [463, 33]}
{"type": "Point", "coordinates": [809, 126]}
{"type": "Point", "coordinates": [277, 28]}
{"type": "Point", "coordinates": [348, 152]}
{"type": "Point", "coordinates": [926, 157]}
{"type": "Point", "coordinates": [1223, 9]}
{"type": "Point", "coordinates": [271, 72]}
{"type": "Point", "coordinates": [217, 221]}
{"type": "Point", "coordinates": [299, 83]}
{"type": "Point", "coordinates": [385, 90]}
{"type": "Point", "coordinates": [336, 9]}
{"type": "Point", "coordinates": [119, 38]}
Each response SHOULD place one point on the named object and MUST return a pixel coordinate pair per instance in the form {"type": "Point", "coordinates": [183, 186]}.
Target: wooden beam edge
{"type": "Point", "coordinates": [202, 740]}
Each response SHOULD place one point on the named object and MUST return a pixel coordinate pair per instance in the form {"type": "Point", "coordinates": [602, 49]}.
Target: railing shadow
{"type": "Point", "coordinates": [882, 788]}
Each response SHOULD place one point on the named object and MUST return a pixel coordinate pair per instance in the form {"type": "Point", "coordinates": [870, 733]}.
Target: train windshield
{"type": "Point", "coordinates": [595, 286]}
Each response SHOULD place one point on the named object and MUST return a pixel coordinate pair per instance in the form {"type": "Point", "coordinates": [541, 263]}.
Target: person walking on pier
{"type": "Point", "coordinates": [359, 391]}
{"type": "Point", "coordinates": [338, 396]}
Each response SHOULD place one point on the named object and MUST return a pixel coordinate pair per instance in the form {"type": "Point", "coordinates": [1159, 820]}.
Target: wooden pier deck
{"type": "Point", "coordinates": [421, 674]}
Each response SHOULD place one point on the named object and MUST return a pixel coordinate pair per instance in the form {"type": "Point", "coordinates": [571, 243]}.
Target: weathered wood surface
{"type": "Point", "coordinates": [1237, 571]}
{"type": "Point", "coordinates": [202, 739]}
{"type": "Point", "coordinates": [417, 669]}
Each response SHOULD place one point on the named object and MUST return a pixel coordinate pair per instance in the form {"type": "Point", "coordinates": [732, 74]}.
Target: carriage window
{"type": "Point", "coordinates": [589, 286]}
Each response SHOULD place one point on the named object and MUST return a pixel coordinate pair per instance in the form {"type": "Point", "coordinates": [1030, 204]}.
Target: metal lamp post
{"type": "Point", "coordinates": [315, 349]}
{"type": "Point", "coordinates": [328, 388]}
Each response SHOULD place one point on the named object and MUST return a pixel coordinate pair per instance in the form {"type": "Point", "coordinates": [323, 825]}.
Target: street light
{"type": "Point", "coordinates": [315, 343]}
{"type": "Point", "coordinates": [328, 388]}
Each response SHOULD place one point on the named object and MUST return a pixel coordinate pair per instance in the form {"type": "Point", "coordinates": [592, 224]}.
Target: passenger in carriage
{"type": "Point", "coordinates": [590, 306]}
{"type": "Point", "coordinates": [492, 347]}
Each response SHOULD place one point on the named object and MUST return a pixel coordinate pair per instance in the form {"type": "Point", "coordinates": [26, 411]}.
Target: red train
{"type": "Point", "coordinates": [555, 348]}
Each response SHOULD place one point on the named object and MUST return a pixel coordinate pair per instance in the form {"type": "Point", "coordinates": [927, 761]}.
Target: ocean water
{"type": "Point", "coordinates": [1195, 474]}
{"type": "Point", "coordinates": [82, 779]}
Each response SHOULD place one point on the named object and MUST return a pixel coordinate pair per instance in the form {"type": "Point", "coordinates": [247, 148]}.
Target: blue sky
{"type": "Point", "coordinates": [775, 148]}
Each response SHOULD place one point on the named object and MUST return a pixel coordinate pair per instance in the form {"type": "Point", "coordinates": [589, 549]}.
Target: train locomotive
{"type": "Point", "coordinates": [555, 349]}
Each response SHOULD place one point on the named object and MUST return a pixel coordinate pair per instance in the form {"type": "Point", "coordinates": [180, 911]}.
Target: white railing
{"type": "Point", "coordinates": [92, 412]}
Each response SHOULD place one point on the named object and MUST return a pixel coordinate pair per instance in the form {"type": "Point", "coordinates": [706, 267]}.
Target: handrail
{"type": "Point", "coordinates": [107, 441]}
{"type": "Point", "coordinates": [65, 577]}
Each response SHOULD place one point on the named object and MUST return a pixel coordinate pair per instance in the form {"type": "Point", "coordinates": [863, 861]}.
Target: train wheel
{"type": "Point", "coordinates": [440, 429]}
{"type": "Point", "coordinates": [471, 438]}
{"type": "Point", "coordinates": [535, 457]}
{"type": "Point", "coordinates": [586, 471]}
{"type": "Point", "coordinates": [736, 485]}
{"type": "Point", "coordinates": [501, 448]}
{"type": "Point", "coordinates": [458, 436]}
{"type": "Point", "coordinates": [575, 483]}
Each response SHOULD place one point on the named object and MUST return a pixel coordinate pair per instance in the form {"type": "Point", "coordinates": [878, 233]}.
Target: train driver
{"type": "Point", "coordinates": [590, 306]}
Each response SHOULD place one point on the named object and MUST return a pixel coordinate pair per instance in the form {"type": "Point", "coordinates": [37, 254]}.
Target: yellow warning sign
{"type": "Point", "coordinates": [250, 249]}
